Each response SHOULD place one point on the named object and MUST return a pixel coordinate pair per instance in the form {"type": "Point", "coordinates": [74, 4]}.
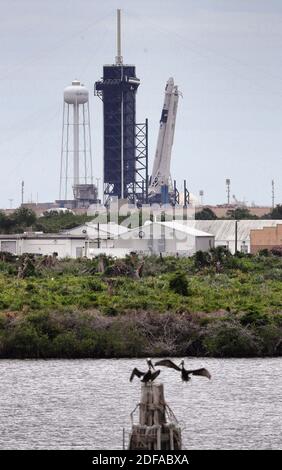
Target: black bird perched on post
{"type": "Point", "coordinates": [148, 376]}
{"type": "Point", "coordinates": [185, 374]}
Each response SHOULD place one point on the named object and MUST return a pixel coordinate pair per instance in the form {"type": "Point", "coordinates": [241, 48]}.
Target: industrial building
{"type": "Point", "coordinates": [96, 230]}
{"type": "Point", "coordinates": [226, 234]}
{"type": "Point", "coordinates": [66, 246]}
{"type": "Point", "coordinates": [178, 237]}
{"type": "Point", "coordinates": [269, 238]}
{"type": "Point", "coordinates": [167, 238]}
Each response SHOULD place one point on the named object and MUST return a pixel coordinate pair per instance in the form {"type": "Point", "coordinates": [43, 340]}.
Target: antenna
{"type": "Point", "coordinates": [228, 182]}
{"type": "Point", "coordinates": [273, 194]}
{"type": "Point", "coordinates": [201, 194]}
{"type": "Point", "coordinates": [22, 192]}
{"type": "Point", "coordinates": [119, 59]}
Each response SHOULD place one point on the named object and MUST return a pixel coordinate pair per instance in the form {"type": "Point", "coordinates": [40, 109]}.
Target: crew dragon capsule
{"type": "Point", "coordinates": [160, 179]}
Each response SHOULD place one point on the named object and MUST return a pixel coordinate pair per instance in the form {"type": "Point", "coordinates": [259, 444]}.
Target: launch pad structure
{"type": "Point", "coordinates": [125, 141]}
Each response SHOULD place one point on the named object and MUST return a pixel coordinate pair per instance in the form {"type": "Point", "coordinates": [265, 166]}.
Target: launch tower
{"type": "Point", "coordinates": [125, 142]}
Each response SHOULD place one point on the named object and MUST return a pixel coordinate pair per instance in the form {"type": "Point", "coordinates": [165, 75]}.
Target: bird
{"type": "Point", "coordinates": [148, 376]}
{"type": "Point", "coordinates": [185, 374]}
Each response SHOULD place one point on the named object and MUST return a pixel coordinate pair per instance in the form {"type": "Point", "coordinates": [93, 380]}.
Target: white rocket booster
{"type": "Point", "coordinates": [161, 168]}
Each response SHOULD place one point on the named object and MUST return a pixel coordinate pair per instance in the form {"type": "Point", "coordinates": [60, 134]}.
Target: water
{"type": "Point", "coordinates": [84, 404]}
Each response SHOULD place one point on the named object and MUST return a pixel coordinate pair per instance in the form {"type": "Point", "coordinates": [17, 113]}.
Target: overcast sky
{"type": "Point", "coordinates": [225, 56]}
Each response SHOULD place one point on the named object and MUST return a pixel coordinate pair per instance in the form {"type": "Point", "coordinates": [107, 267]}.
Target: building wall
{"type": "Point", "coordinates": [266, 238]}
{"type": "Point", "coordinates": [224, 231]}
{"type": "Point", "coordinates": [204, 243]}
{"type": "Point", "coordinates": [115, 252]}
{"type": "Point", "coordinates": [46, 247]}
{"type": "Point", "coordinates": [157, 238]}
{"type": "Point", "coordinates": [72, 248]}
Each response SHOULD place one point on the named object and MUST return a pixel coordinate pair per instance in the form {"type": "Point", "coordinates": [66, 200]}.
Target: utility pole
{"type": "Point", "coordinates": [97, 183]}
{"type": "Point", "coordinates": [236, 236]}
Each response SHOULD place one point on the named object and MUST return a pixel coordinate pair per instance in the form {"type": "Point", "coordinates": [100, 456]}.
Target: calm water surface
{"type": "Point", "coordinates": [85, 404]}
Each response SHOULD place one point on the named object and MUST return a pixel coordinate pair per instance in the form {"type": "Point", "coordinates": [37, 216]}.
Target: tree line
{"type": "Point", "coordinates": [24, 219]}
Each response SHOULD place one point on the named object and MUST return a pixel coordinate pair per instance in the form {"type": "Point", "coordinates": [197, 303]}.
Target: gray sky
{"type": "Point", "coordinates": [225, 55]}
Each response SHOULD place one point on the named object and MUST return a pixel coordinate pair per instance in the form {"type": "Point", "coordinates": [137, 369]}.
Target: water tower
{"type": "Point", "coordinates": [76, 174]}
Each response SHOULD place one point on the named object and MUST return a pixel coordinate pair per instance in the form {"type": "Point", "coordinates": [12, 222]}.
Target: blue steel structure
{"type": "Point", "coordinates": [117, 89]}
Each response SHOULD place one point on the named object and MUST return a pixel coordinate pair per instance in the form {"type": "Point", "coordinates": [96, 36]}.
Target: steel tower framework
{"type": "Point", "coordinates": [125, 142]}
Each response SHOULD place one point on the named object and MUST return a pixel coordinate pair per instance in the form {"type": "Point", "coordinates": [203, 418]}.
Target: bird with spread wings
{"type": "Point", "coordinates": [148, 376]}
{"type": "Point", "coordinates": [185, 373]}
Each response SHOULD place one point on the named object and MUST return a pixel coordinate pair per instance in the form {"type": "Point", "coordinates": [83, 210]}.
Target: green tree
{"type": "Point", "coordinates": [240, 213]}
{"type": "Point", "coordinates": [205, 214]}
{"type": "Point", "coordinates": [24, 216]}
{"type": "Point", "coordinates": [5, 223]}
{"type": "Point", "coordinates": [55, 221]}
{"type": "Point", "coordinates": [276, 213]}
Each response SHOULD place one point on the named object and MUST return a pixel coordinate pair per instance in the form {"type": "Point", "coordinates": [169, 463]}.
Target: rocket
{"type": "Point", "coordinates": [161, 168]}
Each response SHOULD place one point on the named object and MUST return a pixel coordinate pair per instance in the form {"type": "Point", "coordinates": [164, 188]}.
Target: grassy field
{"type": "Point", "coordinates": [215, 305]}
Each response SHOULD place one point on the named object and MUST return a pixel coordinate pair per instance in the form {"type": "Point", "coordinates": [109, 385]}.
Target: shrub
{"type": "Point", "coordinates": [110, 311]}
{"type": "Point", "coordinates": [264, 252]}
{"type": "Point", "coordinates": [230, 339]}
{"type": "Point", "coordinates": [179, 284]}
{"type": "Point", "coordinates": [220, 253]}
{"type": "Point", "coordinates": [271, 338]}
{"type": "Point", "coordinates": [24, 341]}
{"type": "Point", "coordinates": [66, 345]}
{"type": "Point", "coordinates": [254, 317]}
{"type": "Point", "coordinates": [276, 251]}
{"type": "Point", "coordinates": [202, 259]}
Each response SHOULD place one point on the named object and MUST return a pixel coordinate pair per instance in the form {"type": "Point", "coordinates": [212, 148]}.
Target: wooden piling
{"type": "Point", "coordinates": [158, 428]}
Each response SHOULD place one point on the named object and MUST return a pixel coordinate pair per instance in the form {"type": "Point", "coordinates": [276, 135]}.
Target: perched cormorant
{"type": "Point", "coordinates": [148, 376]}
{"type": "Point", "coordinates": [184, 372]}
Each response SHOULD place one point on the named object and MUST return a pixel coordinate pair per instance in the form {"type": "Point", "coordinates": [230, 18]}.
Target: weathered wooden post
{"type": "Point", "coordinates": [158, 428]}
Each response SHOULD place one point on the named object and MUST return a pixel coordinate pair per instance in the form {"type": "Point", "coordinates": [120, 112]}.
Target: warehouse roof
{"type": "Point", "coordinates": [187, 228]}
{"type": "Point", "coordinates": [225, 229]}
{"type": "Point", "coordinates": [104, 231]}
{"type": "Point", "coordinates": [40, 236]}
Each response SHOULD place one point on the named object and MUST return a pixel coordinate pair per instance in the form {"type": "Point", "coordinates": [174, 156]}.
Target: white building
{"type": "Point", "coordinates": [96, 230]}
{"type": "Point", "coordinates": [72, 246]}
{"type": "Point", "coordinates": [176, 237]}
{"type": "Point", "coordinates": [169, 238]}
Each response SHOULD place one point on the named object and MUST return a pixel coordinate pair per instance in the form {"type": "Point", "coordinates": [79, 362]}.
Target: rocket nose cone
{"type": "Point", "coordinates": [169, 85]}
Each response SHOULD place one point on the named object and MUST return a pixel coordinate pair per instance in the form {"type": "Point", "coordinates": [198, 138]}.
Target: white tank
{"type": "Point", "coordinates": [76, 93]}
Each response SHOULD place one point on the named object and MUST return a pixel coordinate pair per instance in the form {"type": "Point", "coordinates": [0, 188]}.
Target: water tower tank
{"type": "Point", "coordinates": [76, 93]}
{"type": "Point", "coordinates": [76, 140]}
